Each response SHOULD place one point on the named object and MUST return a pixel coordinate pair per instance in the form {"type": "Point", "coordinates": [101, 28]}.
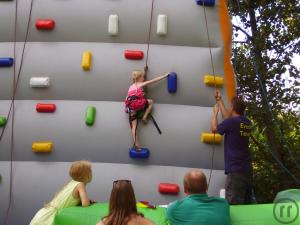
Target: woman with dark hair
{"type": "Point", "coordinates": [122, 206]}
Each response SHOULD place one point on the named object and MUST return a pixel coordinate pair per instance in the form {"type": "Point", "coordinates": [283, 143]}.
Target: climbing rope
{"type": "Point", "coordinates": [16, 80]}
{"type": "Point", "coordinates": [149, 34]}
{"type": "Point", "coordinates": [215, 87]}
{"type": "Point", "coordinates": [146, 69]}
{"type": "Point", "coordinates": [12, 107]}
{"type": "Point", "coordinates": [11, 112]}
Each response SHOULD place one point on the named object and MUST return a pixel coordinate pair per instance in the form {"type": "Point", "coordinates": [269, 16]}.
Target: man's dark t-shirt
{"type": "Point", "coordinates": [237, 131]}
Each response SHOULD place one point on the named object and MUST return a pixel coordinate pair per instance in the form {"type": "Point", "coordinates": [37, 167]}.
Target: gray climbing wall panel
{"type": "Point", "coordinates": [83, 25]}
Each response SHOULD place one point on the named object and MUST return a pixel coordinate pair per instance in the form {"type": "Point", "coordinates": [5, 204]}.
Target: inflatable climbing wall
{"type": "Point", "coordinates": [71, 62]}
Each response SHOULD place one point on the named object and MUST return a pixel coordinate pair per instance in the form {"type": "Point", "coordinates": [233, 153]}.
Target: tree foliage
{"type": "Point", "coordinates": [266, 38]}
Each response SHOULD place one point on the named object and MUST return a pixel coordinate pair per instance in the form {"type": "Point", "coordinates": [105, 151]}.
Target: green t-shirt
{"type": "Point", "coordinates": [199, 209]}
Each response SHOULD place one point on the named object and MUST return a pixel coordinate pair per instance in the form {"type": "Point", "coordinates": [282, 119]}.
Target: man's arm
{"type": "Point", "coordinates": [214, 123]}
{"type": "Point", "coordinates": [225, 113]}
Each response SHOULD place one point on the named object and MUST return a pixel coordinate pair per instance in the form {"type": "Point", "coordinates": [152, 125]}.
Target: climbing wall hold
{"type": "Point", "coordinates": [167, 188]}
{"type": "Point", "coordinates": [45, 108]}
{"type": "Point", "coordinates": [45, 24]}
{"type": "Point", "coordinates": [113, 25]}
{"type": "Point", "coordinates": [136, 55]}
{"type": "Point", "coordinates": [86, 61]}
{"type": "Point", "coordinates": [6, 62]}
{"type": "Point", "coordinates": [146, 204]}
{"type": "Point", "coordinates": [142, 154]}
{"type": "Point", "coordinates": [3, 121]}
{"type": "Point", "coordinates": [39, 82]}
{"type": "Point", "coordinates": [90, 115]}
{"type": "Point", "coordinates": [211, 138]}
{"type": "Point", "coordinates": [211, 80]}
{"type": "Point", "coordinates": [172, 82]}
{"type": "Point", "coordinates": [162, 25]}
{"type": "Point", "coordinates": [141, 205]}
{"type": "Point", "coordinates": [206, 2]}
{"type": "Point", "coordinates": [42, 147]}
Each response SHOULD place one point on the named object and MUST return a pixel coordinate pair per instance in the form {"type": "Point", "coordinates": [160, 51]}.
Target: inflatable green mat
{"type": "Point", "coordinates": [266, 214]}
{"type": "Point", "coordinates": [288, 194]}
{"type": "Point", "coordinates": [261, 214]}
{"type": "Point", "coordinates": [92, 214]}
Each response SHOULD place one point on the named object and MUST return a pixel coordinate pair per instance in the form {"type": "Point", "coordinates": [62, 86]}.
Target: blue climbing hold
{"type": "Point", "coordinates": [206, 2]}
{"type": "Point", "coordinates": [141, 154]}
{"type": "Point", "coordinates": [6, 62]}
{"type": "Point", "coordinates": [172, 82]}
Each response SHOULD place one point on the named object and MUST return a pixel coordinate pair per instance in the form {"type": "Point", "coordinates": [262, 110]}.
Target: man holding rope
{"type": "Point", "coordinates": [238, 163]}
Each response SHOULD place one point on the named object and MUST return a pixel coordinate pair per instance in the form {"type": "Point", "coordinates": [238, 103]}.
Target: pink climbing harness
{"type": "Point", "coordinates": [135, 103]}
{"type": "Point", "coordinates": [135, 100]}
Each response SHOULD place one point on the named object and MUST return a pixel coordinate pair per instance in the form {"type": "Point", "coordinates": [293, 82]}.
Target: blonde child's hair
{"type": "Point", "coordinates": [81, 170]}
{"type": "Point", "coordinates": [136, 75]}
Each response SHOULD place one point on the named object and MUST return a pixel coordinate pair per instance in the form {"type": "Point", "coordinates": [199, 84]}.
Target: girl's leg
{"type": "Point", "coordinates": [148, 110]}
{"type": "Point", "coordinates": [135, 134]}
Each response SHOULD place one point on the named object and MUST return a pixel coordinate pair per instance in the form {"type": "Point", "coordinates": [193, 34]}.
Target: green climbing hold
{"type": "Point", "coordinates": [2, 121]}
{"type": "Point", "coordinates": [90, 115]}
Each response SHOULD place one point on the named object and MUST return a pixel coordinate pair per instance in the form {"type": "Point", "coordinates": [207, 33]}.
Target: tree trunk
{"type": "Point", "coordinates": [271, 133]}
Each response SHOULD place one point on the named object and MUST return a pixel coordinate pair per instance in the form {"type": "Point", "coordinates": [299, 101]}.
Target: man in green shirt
{"type": "Point", "coordinates": [197, 208]}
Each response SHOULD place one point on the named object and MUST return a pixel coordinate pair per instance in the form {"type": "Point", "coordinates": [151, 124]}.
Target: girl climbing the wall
{"type": "Point", "coordinates": [72, 194]}
{"type": "Point", "coordinates": [137, 105]}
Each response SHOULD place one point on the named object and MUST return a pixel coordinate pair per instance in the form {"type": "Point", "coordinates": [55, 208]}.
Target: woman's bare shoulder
{"type": "Point", "coordinates": [100, 223]}
{"type": "Point", "coordinates": [144, 221]}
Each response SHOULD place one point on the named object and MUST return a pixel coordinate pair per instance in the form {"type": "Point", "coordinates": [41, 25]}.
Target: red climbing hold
{"type": "Point", "coordinates": [167, 188]}
{"type": "Point", "coordinates": [45, 24]}
{"type": "Point", "coordinates": [130, 54]}
{"type": "Point", "coordinates": [45, 108]}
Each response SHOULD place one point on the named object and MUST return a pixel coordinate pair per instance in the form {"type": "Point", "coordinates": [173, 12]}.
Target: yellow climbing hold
{"type": "Point", "coordinates": [43, 147]}
{"type": "Point", "coordinates": [211, 138]}
{"type": "Point", "coordinates": [211, 80]}
{"type": "Point", "coordinates": [86, 61]}
{"type": "Point", "coordinates": [141, 205]}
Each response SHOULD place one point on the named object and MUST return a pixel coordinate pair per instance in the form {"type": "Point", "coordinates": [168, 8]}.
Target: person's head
{"type": "Point", "coordinates": [194, 182]}
{"type": "Point", "coordinates": [122, 203]}
{"type": "Point", "coordinates": [137, 76]}
{"type": "Point", "coordinates": [81, 171]}
{"type": "Point", "coordinates": [237, 106]}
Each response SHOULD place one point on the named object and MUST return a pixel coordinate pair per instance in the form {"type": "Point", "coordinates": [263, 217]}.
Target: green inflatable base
{"type": "Point", "coordinates": [265, 214]}
{"type": "Point", "coordinates": [92, 214]}
{"type": "Point", "coordinates": [288, 194]}
{"type": "Point", "coordinates": [262, 214]}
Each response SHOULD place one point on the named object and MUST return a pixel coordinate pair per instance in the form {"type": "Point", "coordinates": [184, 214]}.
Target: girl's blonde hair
{"type": "Point", "coordinates": [81, 171]}
{"type": "Point", "coordinates": [136, 75]}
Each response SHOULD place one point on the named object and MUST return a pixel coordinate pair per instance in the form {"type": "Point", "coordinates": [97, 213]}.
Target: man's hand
{"type": "Point", "coordinates": [221, 106]}
{"type": "Point", "coordinates": [218, 96]}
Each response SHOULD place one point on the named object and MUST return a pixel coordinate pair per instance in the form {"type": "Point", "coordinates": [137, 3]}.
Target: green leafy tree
{"type": "Point", "coordinates": [266, 38]}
